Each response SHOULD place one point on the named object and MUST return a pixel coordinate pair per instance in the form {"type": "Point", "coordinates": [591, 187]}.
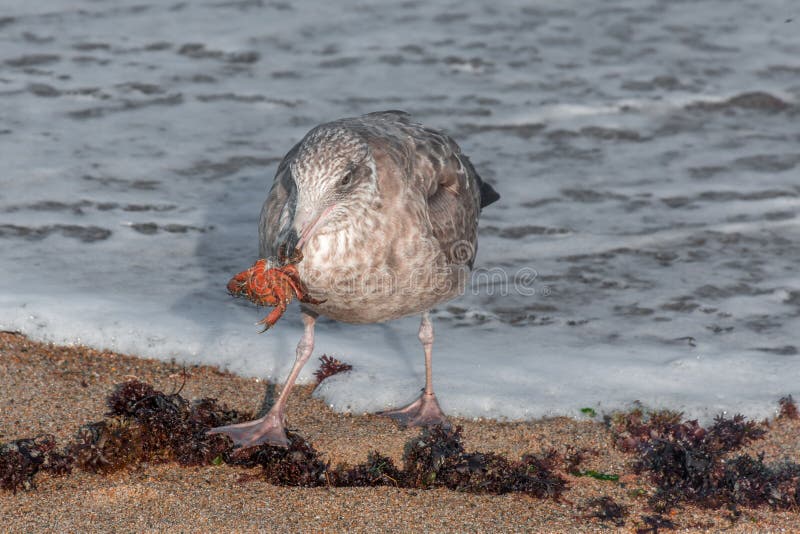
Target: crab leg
{"type": "Point", "coordinates": [301, 291]}
{"type": "Point", "coordinates": [270, 320]}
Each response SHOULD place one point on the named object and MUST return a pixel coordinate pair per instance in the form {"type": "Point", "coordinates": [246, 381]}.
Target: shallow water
{"type": "Point", "coordinates": [645, 248]}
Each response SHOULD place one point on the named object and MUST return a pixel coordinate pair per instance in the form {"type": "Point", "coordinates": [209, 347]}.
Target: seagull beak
{"type": "Point", "coordinates": [314, 222]}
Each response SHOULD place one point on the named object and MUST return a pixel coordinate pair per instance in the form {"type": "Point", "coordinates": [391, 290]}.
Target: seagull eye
{"type": "Point", "coordinates": [348, 178]}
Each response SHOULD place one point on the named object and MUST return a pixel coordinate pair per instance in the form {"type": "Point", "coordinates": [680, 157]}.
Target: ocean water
{"type": "Point", "coordinates": [648, 153]}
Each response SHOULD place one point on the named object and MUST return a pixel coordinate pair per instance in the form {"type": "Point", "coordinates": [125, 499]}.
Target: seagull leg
{"type": "Point", "coordinates": [424, 411]}
{"type": "Point", "coordinates": [269, 429]}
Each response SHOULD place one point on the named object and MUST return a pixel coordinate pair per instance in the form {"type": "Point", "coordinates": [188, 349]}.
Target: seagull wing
{"type": "Point", "coordinates": [452, 193]}
{"type": "Point", "coordinates": [441, 181]}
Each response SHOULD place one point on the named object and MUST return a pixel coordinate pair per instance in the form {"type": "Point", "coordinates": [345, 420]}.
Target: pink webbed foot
{"type": "Point", "coordinates": [424, 411]}
{"type": "Point", "coordinates": [267, 430]}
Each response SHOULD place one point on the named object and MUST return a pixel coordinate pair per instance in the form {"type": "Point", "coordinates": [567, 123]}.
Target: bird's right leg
{"type": "Point", "coordinates": [269, 429]}
{"type": "Point", "coordinates": [424, 411]}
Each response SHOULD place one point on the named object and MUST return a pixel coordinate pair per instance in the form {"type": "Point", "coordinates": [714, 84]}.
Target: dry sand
{"type": "Point", "coordinates": [53, 389]}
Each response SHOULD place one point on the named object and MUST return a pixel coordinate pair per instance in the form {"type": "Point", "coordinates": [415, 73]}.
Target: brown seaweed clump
{"type": "Point", "coordinates": [689, 463]}
{"type": "Point", "coordinates": [437, 458]}
{"type": "Point", "coordinates": [107, 446]}
{"type": "Point", "coordinates": [330, 366]}
{"type": "Point", "coordinates": [173, 428]}
{"type": "Point", "coordinates": [297, 465]}
{"type": "Point", "coordinates": [632, 429]}
{"type": "Point", "coordinates": [378, 470]}
{"type": "Point", "coordinates": [22, 459]}
{"type": "Point", "coordinates": [148, 425]}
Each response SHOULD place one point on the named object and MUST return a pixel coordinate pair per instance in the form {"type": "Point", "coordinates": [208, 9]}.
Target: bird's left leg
{"type": "Point", "coordinates": [269, 429]}
{"type": "Point", "coordinates": [424, 411]}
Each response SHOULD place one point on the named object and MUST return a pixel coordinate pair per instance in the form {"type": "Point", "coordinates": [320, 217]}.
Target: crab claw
{"type": "Point", "coordinates": [238, 284]}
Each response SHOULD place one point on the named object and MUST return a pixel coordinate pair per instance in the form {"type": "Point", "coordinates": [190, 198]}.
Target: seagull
{"type": "Point", "coordinates": [385, 213]}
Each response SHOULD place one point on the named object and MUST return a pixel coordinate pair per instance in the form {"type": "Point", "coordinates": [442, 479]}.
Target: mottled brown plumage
{"type": "Point", "coordinates": [385, 212]}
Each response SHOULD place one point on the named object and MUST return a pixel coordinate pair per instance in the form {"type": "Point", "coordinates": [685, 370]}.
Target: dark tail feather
{"type": "Point", "coordinates": [488, 194]}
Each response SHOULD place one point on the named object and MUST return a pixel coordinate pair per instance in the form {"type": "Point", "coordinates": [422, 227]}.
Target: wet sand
{"type": "Point", "coordinates": [53, 389]}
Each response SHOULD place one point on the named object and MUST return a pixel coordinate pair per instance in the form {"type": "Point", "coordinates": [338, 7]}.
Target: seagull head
{"type": "Point", "coordinates": [335, 179]}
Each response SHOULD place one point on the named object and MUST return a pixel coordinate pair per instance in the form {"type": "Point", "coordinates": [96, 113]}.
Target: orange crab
{"type": "Point", "coordinates": [275, 286]}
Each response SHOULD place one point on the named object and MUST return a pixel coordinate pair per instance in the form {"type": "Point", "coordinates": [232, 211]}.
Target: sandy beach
{"type": "Point", "coordinates": [53, 389]}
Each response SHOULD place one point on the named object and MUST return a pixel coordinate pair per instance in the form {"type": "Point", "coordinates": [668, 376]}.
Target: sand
{"type": "Point", "coordinates": [54, 389]}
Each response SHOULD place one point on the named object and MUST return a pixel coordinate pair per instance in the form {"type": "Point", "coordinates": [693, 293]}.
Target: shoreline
{"type": "Point", "coordinates": [46, 388]}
